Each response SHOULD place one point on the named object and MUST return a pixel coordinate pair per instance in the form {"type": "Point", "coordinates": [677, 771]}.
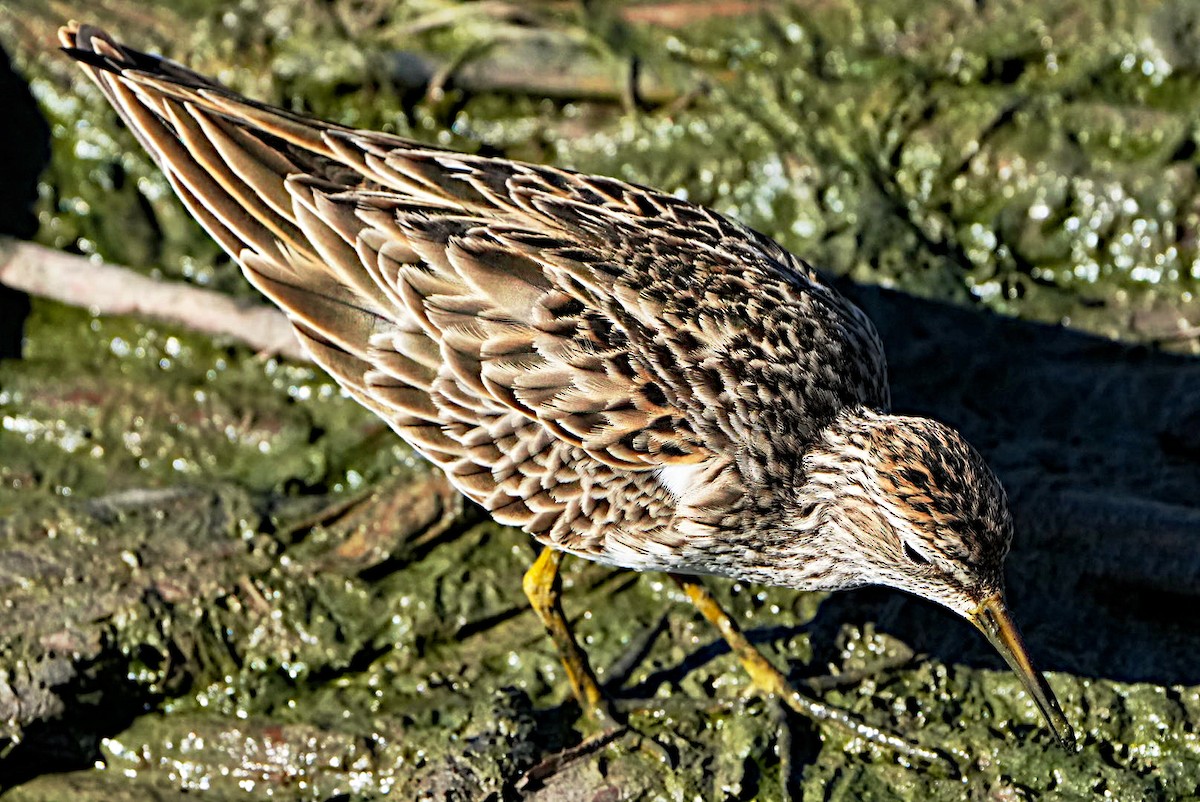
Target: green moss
{"type": "Point", "coordinates": [1036, 159]}
{"type": "Point", "coordinates": [156, 406]}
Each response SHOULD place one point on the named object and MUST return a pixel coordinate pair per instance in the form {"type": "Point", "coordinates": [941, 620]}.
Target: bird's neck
{"type": "Point", "coordinates": [787, 524]}
{"type": "Point", "coordinates": [832, 502]}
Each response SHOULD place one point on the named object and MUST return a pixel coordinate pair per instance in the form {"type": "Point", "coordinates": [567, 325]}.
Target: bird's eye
{"type": "Point", "coordinates": [914, 555]}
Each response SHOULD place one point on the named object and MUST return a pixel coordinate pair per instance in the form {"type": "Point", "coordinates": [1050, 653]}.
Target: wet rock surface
{"type": "Point", "coordinates": [220, 576]}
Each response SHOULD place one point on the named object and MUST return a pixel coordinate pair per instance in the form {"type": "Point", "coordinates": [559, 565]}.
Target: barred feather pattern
{"type": "Point", "coordinates": [625, 375]}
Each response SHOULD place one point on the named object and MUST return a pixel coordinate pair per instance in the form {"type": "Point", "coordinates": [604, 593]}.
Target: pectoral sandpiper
{"type": "Point", "coordinates": [627, 376]}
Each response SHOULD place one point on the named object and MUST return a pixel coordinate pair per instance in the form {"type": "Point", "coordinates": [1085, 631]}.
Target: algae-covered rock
{"type": "Point", "coordinates": [222, 576]}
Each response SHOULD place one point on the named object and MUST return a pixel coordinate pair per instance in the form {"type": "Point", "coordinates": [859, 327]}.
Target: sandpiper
{"type": "Point", "coordinates": [627, 376]}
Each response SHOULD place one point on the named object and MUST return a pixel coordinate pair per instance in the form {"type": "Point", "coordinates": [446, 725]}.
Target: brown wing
{"type": "Point", "coordinates": [551, 340]}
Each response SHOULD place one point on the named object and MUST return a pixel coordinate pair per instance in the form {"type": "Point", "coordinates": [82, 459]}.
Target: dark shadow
{"type": "Point", "coordinates": [103, 701]}
{"type": "Point", "coordinates": [714, 648]}
{"type": "Point", "coordinates": [25, 143]}
{"type": "Point", "coordinates": [1104, 575]}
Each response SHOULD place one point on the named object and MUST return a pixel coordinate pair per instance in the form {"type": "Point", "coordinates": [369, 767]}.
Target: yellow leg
{"type": "Point", "coordinates": [769, 680]}
{"type": "Point", "coordinates": [543, 587]}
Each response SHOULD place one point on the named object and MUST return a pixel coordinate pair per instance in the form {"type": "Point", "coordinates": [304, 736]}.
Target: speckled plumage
{"type": "Point", "coordinates": [549, 339]}
{"type": "Point", "coordinates": [626, 375]}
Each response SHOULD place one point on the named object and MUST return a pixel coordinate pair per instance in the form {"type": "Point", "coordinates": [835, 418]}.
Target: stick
{"type": "Point", "coordinates": [112, 290]}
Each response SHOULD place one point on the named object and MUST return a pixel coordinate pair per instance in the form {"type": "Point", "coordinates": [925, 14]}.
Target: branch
{"type": "Point", "coordinates": [112, 290]}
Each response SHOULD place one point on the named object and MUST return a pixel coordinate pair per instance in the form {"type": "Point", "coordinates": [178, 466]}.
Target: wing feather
{"type": "Point", "coordinates": [551, 340]}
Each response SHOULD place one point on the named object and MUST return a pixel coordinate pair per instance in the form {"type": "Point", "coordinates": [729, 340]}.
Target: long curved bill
{"type": "Point", "coordinates": [993, 620]}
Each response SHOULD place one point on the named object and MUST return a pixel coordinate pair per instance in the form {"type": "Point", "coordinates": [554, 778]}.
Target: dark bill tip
{"type": "Point", "coordinates": [993, 620]}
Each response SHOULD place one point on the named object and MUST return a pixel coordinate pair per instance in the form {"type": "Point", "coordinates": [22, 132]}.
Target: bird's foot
{"type": "Point", "coordinates": [770, 681]}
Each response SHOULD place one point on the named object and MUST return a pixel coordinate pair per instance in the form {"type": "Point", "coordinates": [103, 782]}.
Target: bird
{"type": "Point", "coordinates": [627, 376]}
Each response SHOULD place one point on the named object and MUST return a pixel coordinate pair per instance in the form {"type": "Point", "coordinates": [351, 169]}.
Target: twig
{"type": "Point", "coordinates": [492, 10]}
{"type": "Point", "coordinates": [683, 14]}
{"type": "Point", "coordinates": [533, 64]}
{"type": "Point", "coordinates": [555, 762]}
{"type": "Point", "coordinates": [112, 290]}
{"type": "Point", "coordinates": [846, 679]}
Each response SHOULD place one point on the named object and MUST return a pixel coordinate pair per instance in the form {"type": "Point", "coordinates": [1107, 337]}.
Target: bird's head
{"type": "Point", "coordinates": [907, 502]}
